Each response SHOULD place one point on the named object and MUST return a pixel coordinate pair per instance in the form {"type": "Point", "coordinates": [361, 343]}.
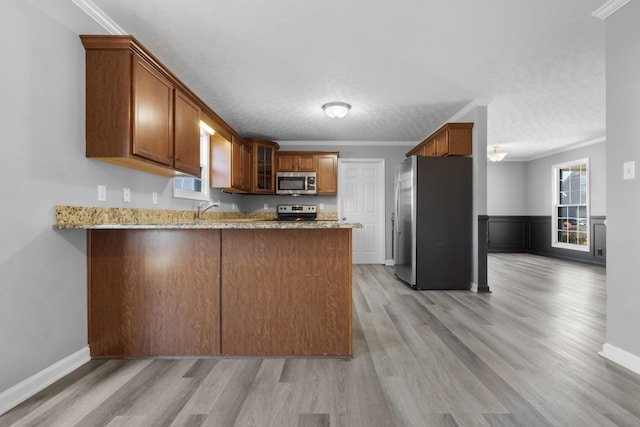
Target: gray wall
{"type": "Point", "coordinates": [506, 188]}
{"type": "Point", "coordinates": [524, 188]}
{"type": "Point", "coordinates": [43, 297]}
{"type": "Point", "coordinates": [623, 197]}
{"type": "Point", "coordinates": [538, 178]}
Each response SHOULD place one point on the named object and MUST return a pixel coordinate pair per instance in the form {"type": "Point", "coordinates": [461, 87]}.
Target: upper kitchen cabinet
{"type": "Point", "coordinates": [452, 139]}
{"type": "Point", "coordinates": [138, 114]}
{"type": "Point", "coordinates": [263, 155]}
{"type": "Point", "coordinates": [187, 135]}
{"type": "Point", "coordinates": [327, 174]}
{"type": "Point", "coordinates": [292, 161]}
{"type": "Point", "coordinates": [230, 163]}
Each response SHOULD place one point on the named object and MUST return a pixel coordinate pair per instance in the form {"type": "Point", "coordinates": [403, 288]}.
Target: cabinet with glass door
{"type": "Point", "coordinates": [264, 153]}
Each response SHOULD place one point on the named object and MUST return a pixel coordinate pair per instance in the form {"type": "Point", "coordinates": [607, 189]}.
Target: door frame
{"type": "Point", "coordinates": [381, 186]}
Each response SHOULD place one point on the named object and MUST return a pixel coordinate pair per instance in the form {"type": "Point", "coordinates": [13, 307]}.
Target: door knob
{"type": "Point", "coordinates": [344, 218]}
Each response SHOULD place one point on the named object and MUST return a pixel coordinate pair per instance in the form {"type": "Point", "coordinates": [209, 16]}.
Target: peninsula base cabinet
{"type": "Point", "coordinates": [154, 292]}
{"type": "Point", "coordinates": [278, 301]}
{"type": "Point", "coordinates": [225, 292]}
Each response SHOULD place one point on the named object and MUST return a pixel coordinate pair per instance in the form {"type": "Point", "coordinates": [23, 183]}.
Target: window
{"type": "Point", "coordinates": [196, 188]}
{"type": "Point", "coordinates": [570, 223]}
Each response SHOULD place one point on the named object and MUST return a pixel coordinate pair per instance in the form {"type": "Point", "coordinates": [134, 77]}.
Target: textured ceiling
{"type": "Point", "coordinates": [406, 66]}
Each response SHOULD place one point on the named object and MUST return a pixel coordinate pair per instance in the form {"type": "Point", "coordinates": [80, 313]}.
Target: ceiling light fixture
{"type": "Point", "coordinates": [497, 155]}
{"type": "Point", "coordinates": [336, 110]}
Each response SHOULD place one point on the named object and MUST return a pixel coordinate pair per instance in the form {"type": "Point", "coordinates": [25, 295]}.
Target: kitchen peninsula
{"type": "Point", "coordinates": [163, 284]}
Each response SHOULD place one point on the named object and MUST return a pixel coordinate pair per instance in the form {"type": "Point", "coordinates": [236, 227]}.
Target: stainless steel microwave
{"type": "Point", "coordinates": [295, 183]}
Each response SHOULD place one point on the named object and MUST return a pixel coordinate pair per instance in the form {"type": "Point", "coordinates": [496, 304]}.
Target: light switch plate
{"type": "Point", "coordinates": [154, 198]}
{"type": "Point", "coordinates": [629, 170]}
{"type": "Point", "coordinates": [126, 195]}
{"type": "Point", "coordinates": [102, 193]}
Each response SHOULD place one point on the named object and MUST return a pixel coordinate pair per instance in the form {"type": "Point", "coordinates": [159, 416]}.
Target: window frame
{"type": "Point", "coordinates": [204, 193]}
{"type": "Point", "coordinates": [556, 205]}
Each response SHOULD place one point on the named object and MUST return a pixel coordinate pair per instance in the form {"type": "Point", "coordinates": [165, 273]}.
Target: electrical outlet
{"type": "Point", "coordinates": [126, 195]}
{"type": "Point", "coordinates": [102, 193]}
{"type": "Point", "coordinates": [629, 170]}
{"type": "Point", "coordinates": [321, 206]}
{"type": "Point", "coordinates": [154, 198]}
{"type": "Point", "coordinates": [234, 206]}
{"type": "Point", "coordinates": [266, 206]}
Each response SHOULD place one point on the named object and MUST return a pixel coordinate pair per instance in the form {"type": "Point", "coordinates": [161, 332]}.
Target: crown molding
{"type": "Point", "coordinates": [609, 8]}
{"type": "Point", "coordinates": [350, 143]}
{"type": "Point", "coordinates": [566, 148]}
{"type": "Point", "coordinates": [478, 102]}
{"type": "Point", "coordinates": [95, 13]}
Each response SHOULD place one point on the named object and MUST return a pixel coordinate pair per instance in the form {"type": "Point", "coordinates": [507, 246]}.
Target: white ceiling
{"type": "Point", "coordinates": [406, 66]}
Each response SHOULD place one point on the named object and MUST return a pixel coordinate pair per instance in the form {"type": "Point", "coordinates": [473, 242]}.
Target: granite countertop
{"type": "Point", "coordinates": [80, 217]}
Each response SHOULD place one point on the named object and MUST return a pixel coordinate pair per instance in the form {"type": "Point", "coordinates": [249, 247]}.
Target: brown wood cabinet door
{"type": "Point", "coordinates": [237, 160]}
{"type": "Point", "coordinates": [187, 135]}
{"type": "Point", "coordinates": [153, 113]}
{"type": "Point", "coordinates": [306, 163]}
{"type": "Point", "coordinates": [220, 168]}
{"type": "Point", "coordinates": [263, 171]}
{"type": "Point", "coordinates": [430, 149]}
{"type": "Point", "coordinates": [327, 174]}
{"type": "Point", "coordinates": [287, 163]}
{"type": "Point", "coordinates": [442, 144]}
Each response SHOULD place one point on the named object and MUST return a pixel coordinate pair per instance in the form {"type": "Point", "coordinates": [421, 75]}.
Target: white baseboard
{"type": "Point", "coordinates": [621, 357]}
{"type": "Point", "coordinates": [388, 262]}
{"type": "Point", "coordinates": [23, 390]}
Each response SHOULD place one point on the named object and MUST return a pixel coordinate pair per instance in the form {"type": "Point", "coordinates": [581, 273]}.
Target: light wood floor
{"type": "Point", "coordinates": [523, 355]}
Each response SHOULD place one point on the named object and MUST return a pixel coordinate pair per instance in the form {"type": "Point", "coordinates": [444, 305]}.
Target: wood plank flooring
{"type": "Point", "coordinates": [524, 355]}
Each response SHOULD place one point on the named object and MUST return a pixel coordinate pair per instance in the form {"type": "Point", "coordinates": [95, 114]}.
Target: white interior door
{"type": "Point", "coordinates": [361, 199]}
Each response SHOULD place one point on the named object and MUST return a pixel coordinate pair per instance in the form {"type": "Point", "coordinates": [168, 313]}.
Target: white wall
{"type": "Point", "coordinates": [43, 275]}
{"type": "Point", "coordinates": [506, 188]}
{"type": "Point", "coordinates": [623, 196]}
{"type": "Point", "coordinates": [538, 178]}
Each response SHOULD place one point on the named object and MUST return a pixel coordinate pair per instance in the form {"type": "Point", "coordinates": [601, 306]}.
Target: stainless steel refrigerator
{"type": "Point", "coordinates": [433, 229]}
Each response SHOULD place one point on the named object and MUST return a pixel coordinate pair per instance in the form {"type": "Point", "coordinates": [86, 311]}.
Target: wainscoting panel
{"type": "Point", "coordinates": [539, 233]}
{"type": "Point", "coordinates": [508, 234]}
{"type": "Point", "coordinates": [532, 234]}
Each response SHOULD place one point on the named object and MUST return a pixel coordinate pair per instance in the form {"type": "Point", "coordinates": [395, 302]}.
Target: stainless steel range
{"type": "Point", "coordinates": [297, 212]}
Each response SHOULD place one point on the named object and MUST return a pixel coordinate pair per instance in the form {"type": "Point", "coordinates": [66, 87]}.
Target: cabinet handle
{"type": "Point", "coordinates": [177, 159]}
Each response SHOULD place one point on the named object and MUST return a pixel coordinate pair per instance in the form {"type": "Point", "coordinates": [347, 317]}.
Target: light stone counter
{"type": "Point", "coordinates": [126, 218]}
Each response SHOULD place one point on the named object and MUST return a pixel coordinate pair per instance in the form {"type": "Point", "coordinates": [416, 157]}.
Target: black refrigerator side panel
{"type": "Point", "coordinates": [444, 227]}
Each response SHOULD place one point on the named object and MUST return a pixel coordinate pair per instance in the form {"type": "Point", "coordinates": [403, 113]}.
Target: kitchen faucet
{"type": "Point", "coordinates": [205, 206]}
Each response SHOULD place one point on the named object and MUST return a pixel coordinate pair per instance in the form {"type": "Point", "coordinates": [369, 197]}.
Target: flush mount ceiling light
{"type": "Point", "coordinates": [336, 110]}
{"type": "Point", "coordinates": [497, 155]}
